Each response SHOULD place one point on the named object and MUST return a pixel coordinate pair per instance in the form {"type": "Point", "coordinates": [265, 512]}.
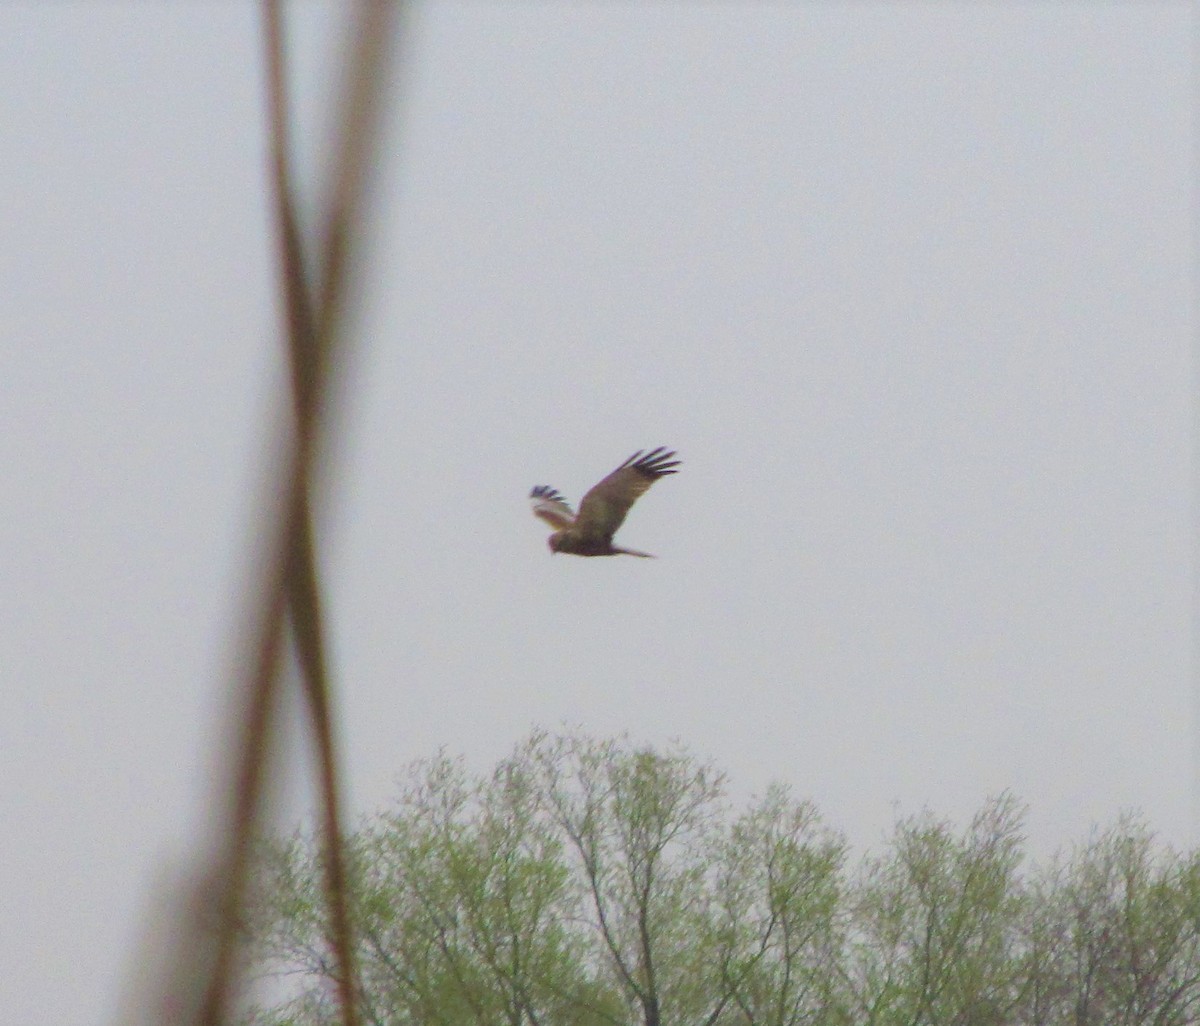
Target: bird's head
{"type": "Point", "coordinates": [555, 542]}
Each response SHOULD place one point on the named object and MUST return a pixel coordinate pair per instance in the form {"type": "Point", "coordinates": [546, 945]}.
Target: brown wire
{"type": "Point", "coordinates": [290, 581]}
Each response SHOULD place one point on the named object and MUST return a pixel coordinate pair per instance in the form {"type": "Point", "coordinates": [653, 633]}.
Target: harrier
{"type": "Point", "coordinates": [603, 509]}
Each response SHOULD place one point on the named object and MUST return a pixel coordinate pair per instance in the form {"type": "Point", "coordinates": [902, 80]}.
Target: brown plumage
{"type": "Point", "coordinates": [603, 509]}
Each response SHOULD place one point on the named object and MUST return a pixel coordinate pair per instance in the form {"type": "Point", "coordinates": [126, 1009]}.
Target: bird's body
{"type": "Point", "coordinates": [603, 508]}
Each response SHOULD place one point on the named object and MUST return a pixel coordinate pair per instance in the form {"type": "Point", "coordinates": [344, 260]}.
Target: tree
{"type": "Point", "coordinates": [937, 923]}
{"type": "Point", "coordinates": [603, 883]}
{"type": "Point", "coordinates": [463, 908]}
{"type": "Point", "coordinates": [1120, 930]}
{"type": "Point", "coordinates": [780, 929]}
{"type": "Point", "coordinates": [640, 826]}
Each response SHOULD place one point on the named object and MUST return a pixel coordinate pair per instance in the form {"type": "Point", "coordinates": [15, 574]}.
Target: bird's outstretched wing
{"type": "Point", "coordinates": [551, 507]}
{"type": "Point", "coordinates": [604, 507]}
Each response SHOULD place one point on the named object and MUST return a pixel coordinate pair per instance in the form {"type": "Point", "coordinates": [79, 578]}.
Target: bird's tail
{"type": "Point", "coordinates": [633, 552]}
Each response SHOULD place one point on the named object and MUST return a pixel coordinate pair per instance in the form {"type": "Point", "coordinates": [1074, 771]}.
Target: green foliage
{"type": "Point", "coordinates": [1126, 922]}
{"type": "Point", "coordinates": [599, 883]}
{"type": "Point", "coordinates": [937, 923]}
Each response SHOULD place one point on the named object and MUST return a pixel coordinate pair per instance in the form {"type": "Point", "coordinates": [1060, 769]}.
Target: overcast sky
{"type": "Point", "coordinates": [909, 287]}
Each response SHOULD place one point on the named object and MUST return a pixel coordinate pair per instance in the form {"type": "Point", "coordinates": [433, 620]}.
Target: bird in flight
{"type": "Point", "coordinates": [603, 509]}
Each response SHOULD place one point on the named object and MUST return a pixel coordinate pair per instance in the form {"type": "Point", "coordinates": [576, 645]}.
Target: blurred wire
{"type": "Point", "coordinates": [312, 336]}
{"type": "Point", "coordinates": [201, 983]}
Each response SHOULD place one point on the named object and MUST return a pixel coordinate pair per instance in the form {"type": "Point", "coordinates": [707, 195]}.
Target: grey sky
{"type": "Point", "coordinates": [908, 286]}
